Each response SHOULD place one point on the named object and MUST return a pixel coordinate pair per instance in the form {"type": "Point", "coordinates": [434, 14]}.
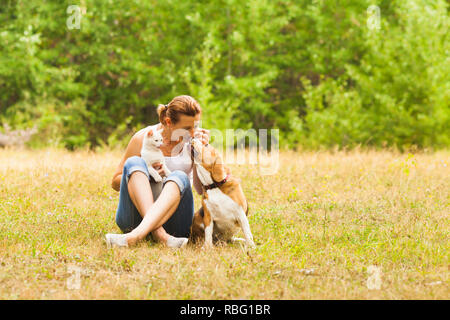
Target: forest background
{"type": "Point", "coordinates": [344, 73]}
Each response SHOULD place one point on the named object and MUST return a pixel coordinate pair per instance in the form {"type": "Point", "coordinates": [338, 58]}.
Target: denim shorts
{"type": "Point", "coordinates": [127, 215]}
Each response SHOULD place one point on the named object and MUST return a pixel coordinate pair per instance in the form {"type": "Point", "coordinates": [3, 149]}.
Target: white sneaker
{"type": "Point", "coordinates": [119, 240]}
{"type": "Point", "coordinates": [173, 242]}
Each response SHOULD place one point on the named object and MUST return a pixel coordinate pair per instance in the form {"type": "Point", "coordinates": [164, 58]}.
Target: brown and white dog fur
{"type": "Point", "coordinates": [224, 208]}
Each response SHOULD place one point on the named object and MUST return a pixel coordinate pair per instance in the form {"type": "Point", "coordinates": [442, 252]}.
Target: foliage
{"type": "Point", "coordinates": [313, 69]}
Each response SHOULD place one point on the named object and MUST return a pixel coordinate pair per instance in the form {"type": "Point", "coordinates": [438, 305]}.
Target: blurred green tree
{"type": "Point", "coordinates": [313, 69]}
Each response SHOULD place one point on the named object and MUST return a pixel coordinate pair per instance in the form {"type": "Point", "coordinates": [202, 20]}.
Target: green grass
{"type": "Point", "coordinates": [335, 213]}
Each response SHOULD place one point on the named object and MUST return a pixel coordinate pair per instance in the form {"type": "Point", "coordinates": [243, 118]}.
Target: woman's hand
{"type": "Point", "coordinates": [202, 134]}
{"type": "Point", "coordinates": [158, 167]}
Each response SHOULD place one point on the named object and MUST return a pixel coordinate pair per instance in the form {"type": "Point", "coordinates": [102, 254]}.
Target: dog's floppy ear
{"type": "Point", "coordinates": [218, 169]}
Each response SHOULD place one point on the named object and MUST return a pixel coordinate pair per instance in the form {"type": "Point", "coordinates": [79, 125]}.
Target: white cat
{"type": "Point", "coordinates": [151, 153]}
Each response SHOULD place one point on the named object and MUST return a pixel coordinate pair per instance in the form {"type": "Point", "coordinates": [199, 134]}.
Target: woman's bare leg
{"type": "Point", "coordinates": [139, 190]}
{"type": "Point", "coordinates": [158, 213]}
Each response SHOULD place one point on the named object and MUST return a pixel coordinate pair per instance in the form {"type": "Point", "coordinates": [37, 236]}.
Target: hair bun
{"type": "Point", "coordinates": [162, 108]}
{"type": "Point", "coordinates": [179, 105]}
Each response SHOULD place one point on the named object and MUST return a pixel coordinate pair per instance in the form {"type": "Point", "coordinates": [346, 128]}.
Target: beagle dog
{"type": "Point", "coordinates": [224, 206]}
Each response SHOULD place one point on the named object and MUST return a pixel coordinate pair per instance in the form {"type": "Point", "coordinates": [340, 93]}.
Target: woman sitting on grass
{"type": "Point", "coordinates": [164, 209]}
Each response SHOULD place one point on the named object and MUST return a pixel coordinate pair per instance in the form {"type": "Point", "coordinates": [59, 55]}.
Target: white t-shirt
{"type": "Point", "coordinates": [182, 161]}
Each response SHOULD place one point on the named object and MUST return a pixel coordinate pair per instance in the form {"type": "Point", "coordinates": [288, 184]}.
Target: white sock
{"type": "Point", "coordinates": [173, 242]}
{"type": "Point", "coordinates": [119, 240]}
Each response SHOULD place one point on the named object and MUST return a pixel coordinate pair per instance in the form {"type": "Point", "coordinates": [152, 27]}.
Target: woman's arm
{"type": "Point", "coordinates": [133, 149]}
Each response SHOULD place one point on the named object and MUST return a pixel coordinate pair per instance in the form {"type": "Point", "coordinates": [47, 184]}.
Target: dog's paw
{"type": "Point", "coordinates": [237, 240]}
{"type": "Point", "coordinates": [207, 246]}
{"type": "Point", "coordinates": [251, 244]}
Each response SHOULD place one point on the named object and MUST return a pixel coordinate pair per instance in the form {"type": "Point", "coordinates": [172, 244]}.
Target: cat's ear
{"type": "Point", "coordinates": [150, 133]}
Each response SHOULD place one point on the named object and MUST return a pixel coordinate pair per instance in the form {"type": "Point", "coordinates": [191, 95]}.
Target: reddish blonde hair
{"type": "Point", "coordinates": [179, 105]}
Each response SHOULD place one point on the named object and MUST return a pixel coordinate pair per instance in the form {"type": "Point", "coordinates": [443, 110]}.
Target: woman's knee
{"type": "Point", "coordinates": [134, 161]}
{"type": "Point", "coordinates": [133, 164]}
{"type": "Point", "coordinates": [181, 179]}
{"type": "Point", "coordinates": [182, 176]}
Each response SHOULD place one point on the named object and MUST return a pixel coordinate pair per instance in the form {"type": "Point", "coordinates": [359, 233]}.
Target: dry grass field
{"type": "Point", "coordinates": [319, 223]}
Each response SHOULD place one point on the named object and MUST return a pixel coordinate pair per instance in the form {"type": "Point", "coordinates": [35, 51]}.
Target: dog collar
{"type": "Point", "coordinates": [217, 184]}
